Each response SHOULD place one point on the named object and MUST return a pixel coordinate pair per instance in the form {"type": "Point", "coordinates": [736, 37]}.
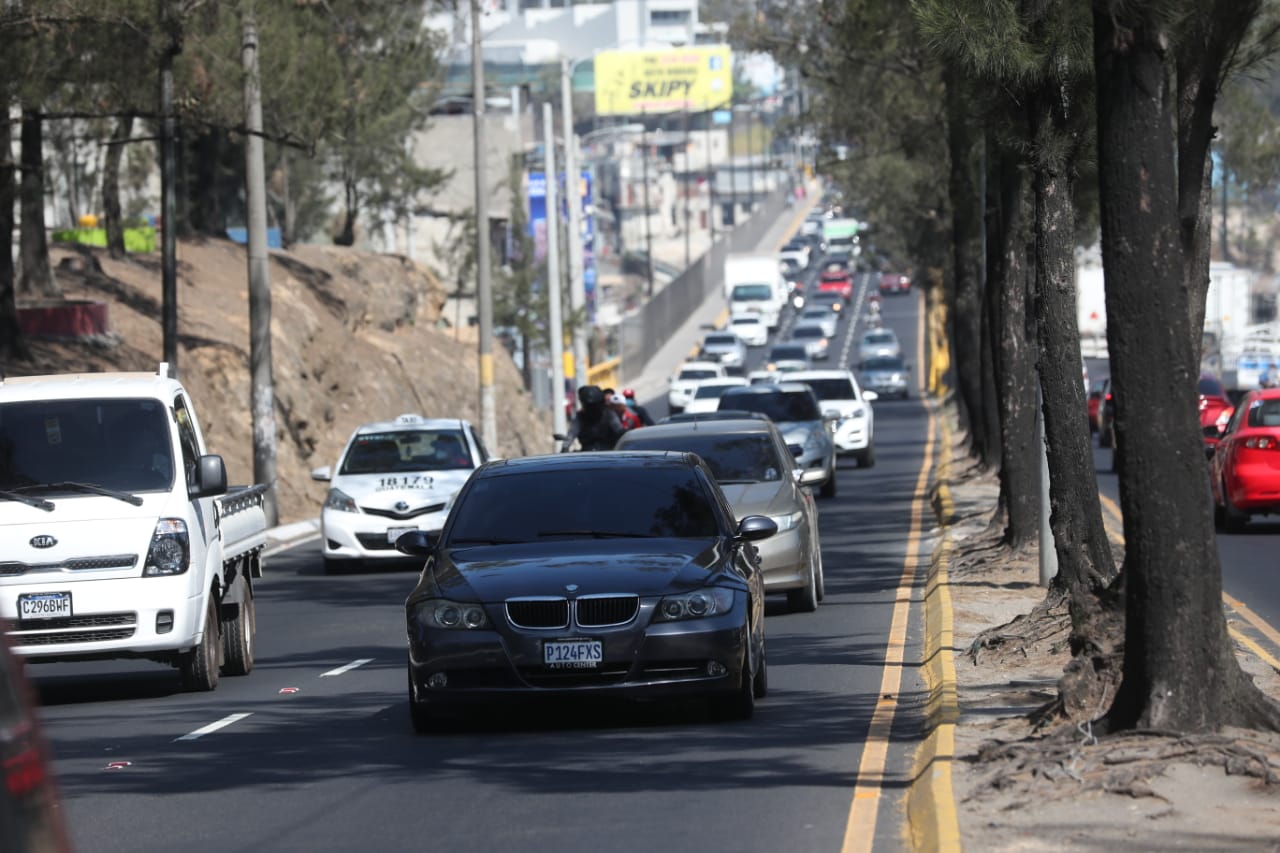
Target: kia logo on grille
{"type": "Point", "coordinates": [43, 541]}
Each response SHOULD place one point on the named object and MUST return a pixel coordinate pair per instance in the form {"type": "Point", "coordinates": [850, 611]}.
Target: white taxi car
{"type": "Point", "coordinates": [393, 477]}
{"type": "Point", "coordinates": [687, 379]}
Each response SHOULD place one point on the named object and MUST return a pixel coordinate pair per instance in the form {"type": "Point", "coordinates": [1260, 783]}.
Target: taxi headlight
{"type": "Point", "coordinates": [711, 601]}
{"type": "Point", "coordinates": [341, 501]}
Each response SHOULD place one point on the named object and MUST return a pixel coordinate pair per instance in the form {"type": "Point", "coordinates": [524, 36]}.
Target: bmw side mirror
{"type": "Point", "coordinates": [415, 543]}
{"type": "Point", "coordinates": [210, 477]}
{"type": "Point", "coordinates": [755, 527]}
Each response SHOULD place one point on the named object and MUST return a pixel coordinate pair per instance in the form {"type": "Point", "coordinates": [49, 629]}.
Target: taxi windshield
{"type": "Point", "coordinates": [407, 450]}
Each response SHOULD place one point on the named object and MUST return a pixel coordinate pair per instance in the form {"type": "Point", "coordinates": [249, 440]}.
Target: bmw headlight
{"type": "Point", "coordinates": [711, 601]}
{"type": "Point", "coordinates": [450, 615]}
{"type": "Point", "coordinates": [341, 501]}
{"type": "Point", "coordinates": [786, 522]}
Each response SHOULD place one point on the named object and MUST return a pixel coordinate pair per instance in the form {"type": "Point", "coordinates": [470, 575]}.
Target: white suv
{"type": "Point", "coordinates": [687, 379]}
{"type": "Point", "coordinates": [393, 477]}
{"type": "Point", "coordinates": [839, 394]}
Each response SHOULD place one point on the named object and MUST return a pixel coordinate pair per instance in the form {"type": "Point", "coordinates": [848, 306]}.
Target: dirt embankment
{"type": "Point", "coordinates": [356, 337]}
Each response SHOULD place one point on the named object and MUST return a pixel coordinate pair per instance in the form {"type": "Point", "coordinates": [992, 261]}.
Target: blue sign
{"type": "Point", "coordinates": [721, 117]}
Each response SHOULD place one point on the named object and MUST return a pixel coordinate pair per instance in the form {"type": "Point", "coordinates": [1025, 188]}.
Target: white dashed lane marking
{"type": "Point", "coordinates": [213, 727]}
{"type": "Point", "coordinates": [347, 668]}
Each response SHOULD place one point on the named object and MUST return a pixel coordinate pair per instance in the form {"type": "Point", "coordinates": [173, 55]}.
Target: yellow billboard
{"type": "Point", "coordinates": [635, 82]}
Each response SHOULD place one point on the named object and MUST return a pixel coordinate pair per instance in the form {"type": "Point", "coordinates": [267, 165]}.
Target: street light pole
{"type": "Point", "coordinates": [484, 290]}
{"type": "Point", "coordinates": [573, 198]}
{"type": "Point", "coordinates": [648, 235]}
{"type": "Point", "coordinates": [559, 419]}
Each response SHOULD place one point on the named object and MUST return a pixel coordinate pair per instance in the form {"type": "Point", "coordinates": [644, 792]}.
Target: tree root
{"type": "Point", "coordinates": [1071, 760]}
{"type": "Point", "coordinates": [1048, 621]}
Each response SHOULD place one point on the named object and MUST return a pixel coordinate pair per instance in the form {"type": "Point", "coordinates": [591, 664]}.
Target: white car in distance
{"type": "Point", "coordinates": [750, 328]}
{"type": "Point", "coordinates": [393, 477]}
{"type": "Point", "coordinates": [687, 379]}
{"type": "Point", "coordinates": [839, 395]}
{"type": "Point", "coordinates": [707, 397]}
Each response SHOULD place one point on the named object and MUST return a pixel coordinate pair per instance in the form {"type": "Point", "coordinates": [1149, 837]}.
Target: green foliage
{"type": "Point", "coordinates": [139, 239]}
{"type": "Point", "coordinates": [516, 300]}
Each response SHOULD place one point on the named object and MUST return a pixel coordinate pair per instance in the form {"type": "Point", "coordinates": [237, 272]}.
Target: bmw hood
{"type": "Point", "coordinates": [402, 491]}
{"type": "Point", "coordinates": [644, 567]}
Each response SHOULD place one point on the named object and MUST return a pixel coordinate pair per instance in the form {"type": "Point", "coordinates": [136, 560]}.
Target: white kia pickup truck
{"type": "Point", "coordinates": [118, 535]}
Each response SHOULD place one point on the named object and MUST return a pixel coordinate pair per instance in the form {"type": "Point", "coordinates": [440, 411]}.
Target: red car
{"type": "Point", "coordinates": [1245, 467]}
{"type": "Point", "coordinates": [836, 281]}
{"type": "Point", "coordinates": [1096, 392]}
{"type": "Point", "coordinates": [893, 282]}
{"type": "Point", "coordinates": [1215, 409]}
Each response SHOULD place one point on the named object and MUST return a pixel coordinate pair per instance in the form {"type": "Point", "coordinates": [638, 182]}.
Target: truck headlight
{"type": "Point", "coordinates": [170, 551]}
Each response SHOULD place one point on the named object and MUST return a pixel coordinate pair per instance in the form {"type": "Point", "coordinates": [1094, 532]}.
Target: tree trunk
{"type": "Point", "coordinates": [289, 234]}
{"type": "Point", "coordinates": [347, 236]}
{"type": "Point", "coordinates": [1085, 564]}
{"type": "Point", "coordinates": [12, 344]}
{"type": "Point", "coordinates": [1179, 669]}
{"type": "Point", "coordinates": [966, 219]}
{"type": "Point", "coordinates": [114, 220]}
{"type": "Point", "coordinates": [36, 275]}
{"type": "Point", "coordinates": [1015, 330]}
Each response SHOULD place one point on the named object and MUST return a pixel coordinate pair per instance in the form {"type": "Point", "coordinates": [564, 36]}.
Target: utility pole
{"type": "Point", "coordinates": [733, 166]}
{"type": "Point", "coordinates": [559, 419]}
{"type": "Point", "coordinates": [751, 161]}
{"type": "Point", "coordinates": [688, 171]}
{"type": "Point", "coordinates": [573, 199]}
{"type": "Point", "coordinates": [262, 388]}
{"type": "Point", "coordinates": [168, 189]}
{"type": "Point", "coordinates": [711, 184]}
{"type": "Point", "coordinates": [648, 235]}
{"type": "Point", "coordinates": [484, 286]}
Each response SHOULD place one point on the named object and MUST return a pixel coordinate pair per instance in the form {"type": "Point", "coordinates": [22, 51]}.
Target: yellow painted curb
{"type": "Point", "coordinates": [932, 820]}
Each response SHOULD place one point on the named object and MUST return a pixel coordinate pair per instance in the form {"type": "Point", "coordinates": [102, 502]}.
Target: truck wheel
{"type": "Point", "coordinates": [199, 667]}
{"type": "Point", "coordinates": [237, 634]}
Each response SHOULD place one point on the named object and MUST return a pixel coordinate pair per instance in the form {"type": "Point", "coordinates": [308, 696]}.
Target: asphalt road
{"type": "Point", "coordinates": [313, 750]}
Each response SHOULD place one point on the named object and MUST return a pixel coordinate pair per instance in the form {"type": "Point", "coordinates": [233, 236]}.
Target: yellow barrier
{"type": "Point", "coordinates": [605, 374]}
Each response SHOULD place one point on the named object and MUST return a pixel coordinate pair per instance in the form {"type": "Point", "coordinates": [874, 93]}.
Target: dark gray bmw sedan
{"type": "Point", "coordinates": [613, 573]}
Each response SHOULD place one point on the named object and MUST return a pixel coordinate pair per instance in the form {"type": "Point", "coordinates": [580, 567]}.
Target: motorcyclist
{"type": "Point", "coordinates": [629, 419]}
{"type": "Point", "coordinates": [595, 426]}
{"type": "Point", "coordinates": [641, 412]}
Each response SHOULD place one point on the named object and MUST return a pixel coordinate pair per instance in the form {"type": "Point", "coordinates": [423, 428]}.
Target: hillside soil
{"type": "Point", "coordinates": [356, 337]}
{"type": "Point", "coordinates": [1022, 786]}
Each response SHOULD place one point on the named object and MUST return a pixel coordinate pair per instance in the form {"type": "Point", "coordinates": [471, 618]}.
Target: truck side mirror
{"type": "Point", "coordinates": [210, 478]}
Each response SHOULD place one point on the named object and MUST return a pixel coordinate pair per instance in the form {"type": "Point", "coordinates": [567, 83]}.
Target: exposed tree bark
{"type": "Point", "coordinates": [990, 331]}
{"type": "Point", "coordinates": [35, 273]}
{"type": "Point", "coordinates": [347, 236]}
{"type": "Point", "coordinates": [966, 220]}
{"type": "Point", "coordinates": [111, 211]}
{"type": "Point", "coordinates": [12, 344]}
{"type": "Point", "coordinates": [1085, 564]}
{"type": "Point", "coordinates": [1202, 59]}
{"type": "Point", "coordinates": [1010, 239]}
{"type": "Point", "coordinates": [1180, 673]}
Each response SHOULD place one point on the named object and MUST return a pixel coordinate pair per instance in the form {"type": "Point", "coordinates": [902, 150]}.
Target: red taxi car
{"type": "Point", "coordinates": [1245, 467]}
